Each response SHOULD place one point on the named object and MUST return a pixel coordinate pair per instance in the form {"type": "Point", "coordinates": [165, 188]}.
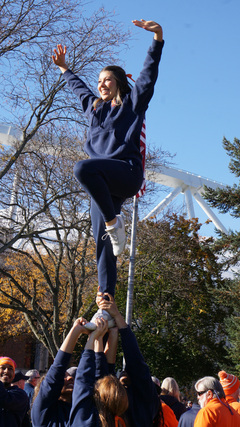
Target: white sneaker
{"type": "Point", "coordinates": [117, 236]}
{"type": "Point", "coordinates": [91, 326]}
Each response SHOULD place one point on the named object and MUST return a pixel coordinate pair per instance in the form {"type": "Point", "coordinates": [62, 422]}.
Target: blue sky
{"type": "Point", "coordinates": [196, 100]}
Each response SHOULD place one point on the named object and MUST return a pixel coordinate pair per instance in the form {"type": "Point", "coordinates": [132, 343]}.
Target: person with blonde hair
{"type": "Point", "coordinates": [170, 394]}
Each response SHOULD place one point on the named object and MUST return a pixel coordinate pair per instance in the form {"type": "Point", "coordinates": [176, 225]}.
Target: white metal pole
{"type": "Point", "coordinates": [209, 213]}
{"type": "Point", "coordinates": [189, 203]}
{"type": "Point", "coordinates": [129, 304]}
{"type": "Point", "coordinates": [164, 203]}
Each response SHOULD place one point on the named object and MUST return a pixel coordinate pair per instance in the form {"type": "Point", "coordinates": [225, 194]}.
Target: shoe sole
{"type": "Point", "coordinates": [92, 326]}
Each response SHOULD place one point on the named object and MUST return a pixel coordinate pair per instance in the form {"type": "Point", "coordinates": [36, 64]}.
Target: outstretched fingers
{"type": "Point", "coordinates": [148, 25]}
{"type": "Point", "coordinates": [59, 57]}
{"type": "Point", "coordinates": [139, 23]}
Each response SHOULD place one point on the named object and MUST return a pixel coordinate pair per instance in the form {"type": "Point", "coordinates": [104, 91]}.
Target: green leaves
{"type": "Point", "coordinates": [177, 317]}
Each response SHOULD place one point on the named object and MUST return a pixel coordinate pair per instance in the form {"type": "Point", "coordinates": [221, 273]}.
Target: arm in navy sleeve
{"type": "Point", "coordinates": [138, 370]}
{"type": "Point", "coordinates": [80, 89]}
{"type": "Point", "coordinates": [51, 387]}
{"type": "Point", "coordinates": [143, 90]}
{"type": "Point", "coordinates": [102, 367]}
{"type": "Point", "coordinates": [84, 412]}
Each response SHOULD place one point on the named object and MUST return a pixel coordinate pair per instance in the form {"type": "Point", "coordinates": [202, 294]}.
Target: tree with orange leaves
{"type": "Point", "coordinates": [47, 270]}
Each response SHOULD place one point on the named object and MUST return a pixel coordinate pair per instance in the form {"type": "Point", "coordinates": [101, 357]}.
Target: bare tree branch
{"type": "Point", "coordinates": [35, 94]}
{"type": "Point", "coordinates": [50, 268]}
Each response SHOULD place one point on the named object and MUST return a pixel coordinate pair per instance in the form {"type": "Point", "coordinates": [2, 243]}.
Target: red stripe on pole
{"type": "Point", "coordinates": [142, 190]}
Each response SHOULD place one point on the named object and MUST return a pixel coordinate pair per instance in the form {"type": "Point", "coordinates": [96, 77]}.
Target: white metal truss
{"type": "Point", "coordinates": [191, 185]}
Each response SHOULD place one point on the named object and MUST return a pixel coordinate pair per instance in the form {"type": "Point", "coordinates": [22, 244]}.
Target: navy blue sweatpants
{"type": "Point", "coordinates": [109, 182]}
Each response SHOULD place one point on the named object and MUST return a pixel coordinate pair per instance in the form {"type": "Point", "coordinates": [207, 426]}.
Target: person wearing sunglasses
{"type": "Point", "coordinates": [215, 410]}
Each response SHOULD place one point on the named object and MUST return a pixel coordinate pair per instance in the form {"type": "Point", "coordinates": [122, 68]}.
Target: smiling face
{"type": "Point", "coordinates": [107, 85]}
{"type": "Point", "coordinates": [6, 374]}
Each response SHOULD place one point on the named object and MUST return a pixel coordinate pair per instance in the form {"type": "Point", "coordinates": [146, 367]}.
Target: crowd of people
{"type": "Point", "coordinates": [91, 394]}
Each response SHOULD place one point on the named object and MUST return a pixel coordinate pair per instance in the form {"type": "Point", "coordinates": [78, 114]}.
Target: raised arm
{"type": "Point", "coordinates": [133, 356]}
{"type": "Point", "coordinates": [110, 349]}
{"type": "Point", "coordinates": [73, 335]}
{"type": "Point", "coordinates": [83, 410]}
{"type": "Point", "coordinates": [51, 386]}
{"type": "Point", "coordinates": [152, 26]}
{"type": "Point", "coordinates": [136, 367]}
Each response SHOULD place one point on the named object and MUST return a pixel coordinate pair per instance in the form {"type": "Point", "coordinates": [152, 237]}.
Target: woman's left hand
{"type": "Point", "coordinates": [152, 26]}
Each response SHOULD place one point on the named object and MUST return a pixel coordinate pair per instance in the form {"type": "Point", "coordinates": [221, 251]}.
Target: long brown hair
{"type": "Point", "coordinates": [123, 85]}
{"type": "Point", "coordinates": [111, 400]}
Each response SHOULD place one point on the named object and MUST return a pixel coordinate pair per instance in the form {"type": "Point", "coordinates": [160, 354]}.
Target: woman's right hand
{"type": "Point", "coordinates": [59, 57]}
